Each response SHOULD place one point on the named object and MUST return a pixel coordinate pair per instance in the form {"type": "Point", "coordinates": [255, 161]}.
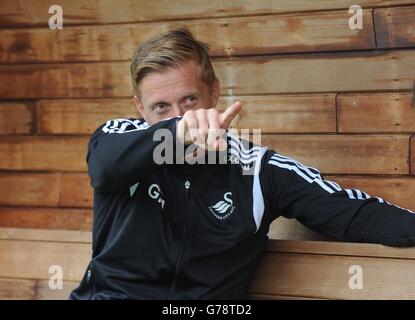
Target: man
{"type": "Point", "coordinates": [196, 231]}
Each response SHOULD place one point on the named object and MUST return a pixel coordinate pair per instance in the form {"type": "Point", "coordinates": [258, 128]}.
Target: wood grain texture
{"type": "Point", "coordinates": [17, 289]}
{"type": "Point", "coordinates": [395, 27]}
{"type": "Point", "coordinates": [412, 156]}
{"type": "Point", "coordinates": [65, 80]}
{"type": "Point", "coordinates": [46, 235]}
{"type": "Point", "coordinates": [291, 229]}
{"type": "Point", "coordinates": [317, 31]}
{"type": "Point", "coordinates": [46, 189]}
{"type": "Point", "coordinates": [83, 116]}
{"type": "Point", "coordinates": [328, 276]}
{"type": "Point", "coordinates": [25, 189]}
{"type": "Point", "coordinates": [43, 292]}
{"type": "Point", "coordinates": [35, 12]}
{"type": "Point", "coordinates": [377, 154]}
{"type": "Point", "coordinates": [278, 297]}
{"type": "Point", "coordinates": [43, 153]}
{"type": "Point", "coordinates": [25, 289]}
{"type": "Point", "coordinates": [285, 113]}
{"type": "Point", "coordinates": [16, 118]}
{"type": "Point", "coordinates": [338, 72]}
{"type": "Point", "coordinates": [18, 261]}
{"type": "Point", "coordinates": [76, 191]}
{"type": "Point", "coordinates": [273, 113]}
{"type": "Point", "coordinates": [381, 112]}
{"type": "Point", "coordinates": [361, 71]}
{"type": "Point", "coordinates": [341, 249]}
{"type": "Point", "coordinates": [46, 218]}
{"type": "Point", "coordinates": [354, 154]}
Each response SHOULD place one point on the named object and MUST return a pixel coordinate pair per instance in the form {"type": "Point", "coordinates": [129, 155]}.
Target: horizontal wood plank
{"type": "Point", "coordinates": [17, 289]}
{"type": "Point", "coordinates": [35, 12]}
{"type": "Point", "coordinates": [43, 153]}
{"type": "Point", "coordinates": [291, 229]}
{"type": "Point", "coordinates": [327, 276]}
{"type": "Point", "coordinates": [347, 154]}
{"type": "Point", "coordinates": [277, 297]}
{"type": "Point", "coordinates": [46, 189]}
{"type": "Point", "coordinates": [412, 156]}
{"type": "Point", "coordinates": [285, 113]}
{"type": "Point", "coordinates": [76, 191]}
{"type": "Point", "coordinates": [272, 114]}
{"type": "Point", "coordinates": [362, 71]}
{"type": "Point", "coordinates": [318, 72]}
{"type": "Point", "coordinates": [317, 31]}
{"type": "Point", "coordinates": [16, 118]}
{"type": "Point", "coordinates": [44, 292]}
{"type": "Point", "coordinates": [83, 116]}
{"type": "Point", "coordinates": [66, 80]}
{"type": "Point", "coordinates": [46, 218]}
{"type": "Point", "coordinates": [18, 261]}
{"type": "Point", "coordinates": [381, 112]}
{"type": "Point", "coordinates": [25, 289]}
{"type": "Point", "coordinates": [24, 189]}
{"type": "Point", "coordinates": [341, 249]}
{"type": "Point", "coordinates": [45, 235]}
{"type": "Point", "coordinates": [395, 27]}
{"type": "Point", "coordinates": [378, 154]}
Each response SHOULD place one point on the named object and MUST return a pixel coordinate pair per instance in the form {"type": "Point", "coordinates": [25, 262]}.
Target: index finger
{"type": "Point", "coordinates": [227, 116]}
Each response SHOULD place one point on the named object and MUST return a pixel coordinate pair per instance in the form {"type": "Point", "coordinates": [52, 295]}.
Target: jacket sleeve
{"type": "Point", "coordinates": [300, 192]}
{"type": "Point", "coordinates": [121, 150]}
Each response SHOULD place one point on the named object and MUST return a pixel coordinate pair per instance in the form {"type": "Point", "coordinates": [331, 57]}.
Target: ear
{"type": "Point", "coordinates": [215, 92]}
{"type": "Point", "coordinates": [139, 106]}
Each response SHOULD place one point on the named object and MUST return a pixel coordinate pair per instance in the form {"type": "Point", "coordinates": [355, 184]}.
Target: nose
{"type": "Point", "coordinates": [178, 111]}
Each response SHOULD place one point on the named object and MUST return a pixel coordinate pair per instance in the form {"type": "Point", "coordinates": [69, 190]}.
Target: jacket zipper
{"type": "Point", "coordinates": [181, 251]}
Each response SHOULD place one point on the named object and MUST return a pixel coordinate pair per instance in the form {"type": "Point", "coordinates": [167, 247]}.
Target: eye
{"type": "Point", "coordinates": [190, 100]}
{"type": "Point", "coordinates": [160, 108]}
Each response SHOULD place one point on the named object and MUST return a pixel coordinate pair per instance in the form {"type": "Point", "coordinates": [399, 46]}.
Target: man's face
{"type": "Point", "coordinates": [174, 91]}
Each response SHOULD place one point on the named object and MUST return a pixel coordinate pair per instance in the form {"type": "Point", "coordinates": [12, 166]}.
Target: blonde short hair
{"type": "Point", "coordinates": [170, 49]}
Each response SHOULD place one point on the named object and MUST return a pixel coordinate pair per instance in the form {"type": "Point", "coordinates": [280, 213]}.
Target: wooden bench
{"type": "Point", "coordinates": [301, 269]}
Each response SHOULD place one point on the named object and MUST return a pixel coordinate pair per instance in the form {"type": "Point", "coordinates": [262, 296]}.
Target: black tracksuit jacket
{"type": "Point", "coordinates": [177, 231]}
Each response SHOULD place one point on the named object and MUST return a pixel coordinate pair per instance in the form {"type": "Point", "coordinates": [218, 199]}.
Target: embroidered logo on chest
{"type": "Point", "coordinates": [224, 208]}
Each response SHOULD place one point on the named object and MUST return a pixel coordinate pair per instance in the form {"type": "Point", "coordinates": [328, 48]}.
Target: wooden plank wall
{"type": "Point", "coordinates": [334, 98]}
